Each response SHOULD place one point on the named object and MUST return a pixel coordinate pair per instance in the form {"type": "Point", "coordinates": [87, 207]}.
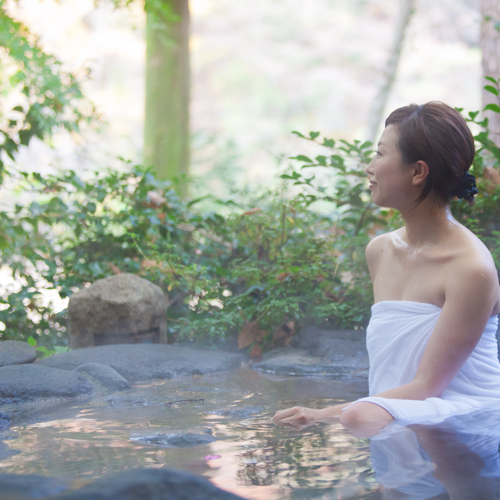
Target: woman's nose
{"type": "Point", "coordinates": [369, 168]}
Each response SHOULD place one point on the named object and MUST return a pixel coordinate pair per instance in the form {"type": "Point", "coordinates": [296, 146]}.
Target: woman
{"type": "Point", "coordinates": [431, 338]}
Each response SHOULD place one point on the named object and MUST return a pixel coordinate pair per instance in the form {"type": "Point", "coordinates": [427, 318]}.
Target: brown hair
{"type": "Point", "coordinates": [437, 134]}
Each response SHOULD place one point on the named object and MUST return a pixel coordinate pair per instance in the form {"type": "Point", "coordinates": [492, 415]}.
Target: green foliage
{"type": "Point", "coordinates": [49, 98]}
{"type": "Point", "coordinates": [293, 254]}
{"type": "Point", "coordinates": [272, 260]}
{"type": "Point", "coordinates": [43, 351]}
{"type": "Point", "coordinates": [74, 232]}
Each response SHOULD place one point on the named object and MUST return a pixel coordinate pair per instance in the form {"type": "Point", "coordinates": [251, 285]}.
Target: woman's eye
{"type": "Point", "coordinates": [378, 153]}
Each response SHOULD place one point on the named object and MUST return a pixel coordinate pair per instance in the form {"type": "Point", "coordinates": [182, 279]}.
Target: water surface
{"type": "Point", "coordinates": [249, 455]}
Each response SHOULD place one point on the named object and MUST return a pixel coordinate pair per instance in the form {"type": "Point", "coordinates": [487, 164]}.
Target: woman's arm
{"type": "Point", "coordinates": [470, 294]}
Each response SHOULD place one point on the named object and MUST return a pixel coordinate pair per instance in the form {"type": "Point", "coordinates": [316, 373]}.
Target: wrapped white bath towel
{"type": "Point", "coordinates": [397, 335]}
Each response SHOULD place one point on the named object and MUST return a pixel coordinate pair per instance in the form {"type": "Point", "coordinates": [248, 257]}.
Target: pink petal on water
{"type": "Point", "coordinates": [211, 457]}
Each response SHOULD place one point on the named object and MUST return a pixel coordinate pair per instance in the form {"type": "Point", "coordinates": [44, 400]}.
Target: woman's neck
{"type": "Point", "coordinates": [427, 223]}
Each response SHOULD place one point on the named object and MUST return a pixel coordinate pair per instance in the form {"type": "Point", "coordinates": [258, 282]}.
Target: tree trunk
{"type": "Point", "coordinates": [166, 128]}
{"type": "Point", "coordinates": [490, 45]}
{"type": "Point", "coordinates": [406, 9]}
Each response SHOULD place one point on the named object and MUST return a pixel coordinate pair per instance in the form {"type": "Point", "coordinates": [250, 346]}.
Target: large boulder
{"type": "Point", "coordinates": [13, 352]}
{"type": "Point", "coordinates": [148, 362]}
{"type": "Point", "coordinates": [150, 484]}
{"type": "Point", "coordinates": [28, 382]}
{"type": "Point", "coordinates": [121, 309]}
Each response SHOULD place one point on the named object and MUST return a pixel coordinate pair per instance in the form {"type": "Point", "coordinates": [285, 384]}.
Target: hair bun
{"type": "Point", "coordinates": [466, 188]}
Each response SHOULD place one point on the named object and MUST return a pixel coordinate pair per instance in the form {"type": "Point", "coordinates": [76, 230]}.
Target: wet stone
{"type": "Point", "coordinates": [150, 484]}
{"type": "Point", "coordinates": [176, 440]}
{"type": "Point", "coordinates": [24, 487]}
{"type": "Point", "coordinates": [6, 451]}
{"type": "Point", "coordinates": [7, 435]}
{"type": "Point", "coordinates": [148, 362]}
{"type": "Point", "coordinates": [104, 375]}
{"type": "Point", "coordinates": [336, 354]}
{"type": "Point", "coordinates": [117, 401]}
{"type": "Point", "coordinates": [34, 381]}
{"type": "Point", "coordinates": [13, 352]}
{"type": "Point", "coordinates": [242, 413]}
{"type": "Point", "coordinates": [199, 388]}
{"type": "Point", "coordinates": [4, 421]}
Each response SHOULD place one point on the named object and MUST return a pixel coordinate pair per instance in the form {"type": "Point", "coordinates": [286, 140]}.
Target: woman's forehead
{"type": "Point", "coordinates": [389, 137]}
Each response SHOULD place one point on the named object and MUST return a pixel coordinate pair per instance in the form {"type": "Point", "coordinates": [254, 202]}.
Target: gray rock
{"type": "Point", "coordinates": [6, 451]}
{"type": "Point", "coordinates": [35, 381]}
{"type": "Point", "coordinates": [333, 344]}
{"type": "Point", "coordinates": [117, 310]}
{"type": "Point", "coordinates": [130, 402]}
{"type": "Point", "coordinates": [24, 487]}
{"type": "Point", "coordinates": [105, 375]}
{"type": "Point", "coordinates": [150, 484]}
{"type": "Point", "coordinates": [245, 412]}
{"type": "Point", "coordinates": [337, 354]}
{"type": "Point", "coordinates": [4, 420]}
{"type": "Point", "coordinates": [176, 440]}
{"type": "Point", "coordinates": [13, 352]}
{"type": "Point", "coordinates": [148, 362]}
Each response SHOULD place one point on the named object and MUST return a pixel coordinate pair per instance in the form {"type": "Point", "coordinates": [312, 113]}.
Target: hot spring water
{"type": "Point", "coordinates": [219, 426]}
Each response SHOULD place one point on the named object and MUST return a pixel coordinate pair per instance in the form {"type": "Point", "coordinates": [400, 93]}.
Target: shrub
{"type": "Point", "coordinates": [274, 262]}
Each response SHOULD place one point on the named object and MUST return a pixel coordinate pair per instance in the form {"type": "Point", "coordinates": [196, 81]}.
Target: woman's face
{"type": "Point", "coordinates": [390, 178]}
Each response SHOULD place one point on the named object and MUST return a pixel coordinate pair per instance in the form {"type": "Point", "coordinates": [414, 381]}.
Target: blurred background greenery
{"type": "Point", "coordinates": [156, 139]}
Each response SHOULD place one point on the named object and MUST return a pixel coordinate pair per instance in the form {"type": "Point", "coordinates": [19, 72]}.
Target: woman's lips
{"type": "Point", "coordinates": [372, 184]}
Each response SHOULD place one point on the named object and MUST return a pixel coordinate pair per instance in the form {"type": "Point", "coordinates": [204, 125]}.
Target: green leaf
{"type": "Point", "coordinates": [301, 158]}
{"type": "Point", "coordinates": [329, 143]}
{"type": "Point", "coordinates": [91, 207]}
{"type": "Point", "coordinates": [492, 107]}
{"type": "Point", "coordinates": [490, 79]}
{"type": "Point", "coordinates": [491, 89]}
{"type": "Point", "coordinates": [44, 351]}
{"type": "Point", "coordinates": [321, 160]}
{"type": "Point", "coordinates": [313, 135]}
{"type": "Point", "coordinates": [294, 176]}
{"type": "Point", "coordinates": [32, 342]}
{"type": "Point", "coordinates": [298, 134]}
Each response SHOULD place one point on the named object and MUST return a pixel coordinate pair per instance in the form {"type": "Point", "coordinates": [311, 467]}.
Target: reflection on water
{"type": "Point", "coordinates": [456, 459]}
{"type": "Point", "coordinates": [252, 457]}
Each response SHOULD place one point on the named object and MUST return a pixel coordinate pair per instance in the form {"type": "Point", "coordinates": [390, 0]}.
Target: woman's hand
{"type": "Point", "coordinates": [301, 417]}
{"type": "Point", "coordinates": [297, 417]}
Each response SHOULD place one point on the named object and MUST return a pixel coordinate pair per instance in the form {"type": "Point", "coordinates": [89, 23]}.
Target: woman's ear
{"type": "Point", "coordinates": [420, 172]}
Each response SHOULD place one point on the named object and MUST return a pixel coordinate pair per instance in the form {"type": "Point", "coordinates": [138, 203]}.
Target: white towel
{"type": "Point", "coordinates": [397, 335]}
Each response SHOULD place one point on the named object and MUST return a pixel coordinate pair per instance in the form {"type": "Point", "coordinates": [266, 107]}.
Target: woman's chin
{"type": "Point", "coordinates": [380, 202]}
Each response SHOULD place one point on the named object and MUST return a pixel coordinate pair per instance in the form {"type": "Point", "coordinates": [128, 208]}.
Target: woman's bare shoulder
{"type": "Point", "coordinates": [380, 243]}
{"type": "Point", "coordinates": [377, 247]}
{"type": "Point", "coordinates": [472, 253]}
{"type": "Point", "coordinates": [473, 269]}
